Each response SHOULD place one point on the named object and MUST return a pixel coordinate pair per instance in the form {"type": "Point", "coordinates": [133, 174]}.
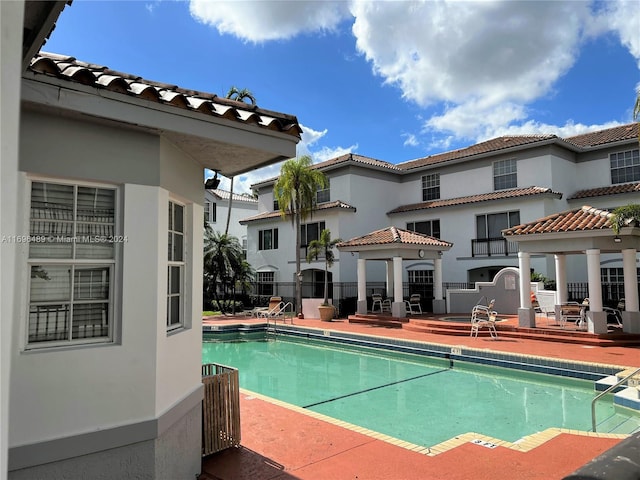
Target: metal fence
{"type": "Point", "coordinates": [220, 408]}
{"type": "Point", "coordinates": [345, 294]}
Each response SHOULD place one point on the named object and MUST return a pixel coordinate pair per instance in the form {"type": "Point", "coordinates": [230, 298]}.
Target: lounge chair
{"type": "Point", "coordinates": [484, 316]}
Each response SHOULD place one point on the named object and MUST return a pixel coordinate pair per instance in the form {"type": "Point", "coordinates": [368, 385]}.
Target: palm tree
{"type": "Point", "coordinates": [295, 190]}
{"type": "Point", "coordinates": [222, 258]}
{"type": "Point", "coordinates": [323, 247]}
{"type": "Point", "coordinates": [238, 95]}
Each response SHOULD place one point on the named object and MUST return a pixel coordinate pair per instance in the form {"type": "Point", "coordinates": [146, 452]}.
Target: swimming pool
{"type": "Point", "coordinates": [422, 400]}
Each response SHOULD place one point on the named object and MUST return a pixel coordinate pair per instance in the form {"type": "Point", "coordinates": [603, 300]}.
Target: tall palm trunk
{"type": "Point", "coordinates": [226, 228]}
{"type": "Point", "coordinates": [298, 272]}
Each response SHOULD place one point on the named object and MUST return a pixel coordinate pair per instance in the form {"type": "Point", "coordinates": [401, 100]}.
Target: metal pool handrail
{"type": "Point", "coordinates": [608, 390]}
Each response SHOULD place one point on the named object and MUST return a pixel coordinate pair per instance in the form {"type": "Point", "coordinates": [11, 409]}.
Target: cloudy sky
{"type": "Point", "coordinates": [392, 80]}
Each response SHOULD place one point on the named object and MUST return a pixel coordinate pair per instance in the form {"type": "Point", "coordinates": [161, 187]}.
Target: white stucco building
{"type": "Point", "coordinates": [466, 197]}
{"type": "Point", "coordinates": [101, 210]}
{"type": "Point", "coordinates": [216, 210]}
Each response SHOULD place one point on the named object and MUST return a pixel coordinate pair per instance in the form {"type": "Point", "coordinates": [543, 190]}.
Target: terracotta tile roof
{"type": "Point", "coordinates": [339, 204]}
{"type": "Point", "coordinates": [581, 219]}
{"type": "Point", "coordinates": [224, 195]}
{"type": "Point", "coordinates": [483, 197]}
{"type": "Point", "coordinates": [98, 76]}
{"type": "Point", "coordinates": [602, 191]}
{"type": "Point", "coordinates": [602, 137]}
{"type": "Point", "coordinates": [394, 235]}
{"type": "Point", "coordinates": [347, 158]}
{"type": "Point", "coordinates": [493, 145]}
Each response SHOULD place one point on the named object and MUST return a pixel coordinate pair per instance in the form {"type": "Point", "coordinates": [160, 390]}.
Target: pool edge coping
{"type": "Point", "coordinates": [523, 445]}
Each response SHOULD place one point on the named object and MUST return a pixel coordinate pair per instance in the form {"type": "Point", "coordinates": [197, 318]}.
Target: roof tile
{"type": "Point", "coordinates": [322, 207]}
{"type": "Point", "coordinates": [483, 197]}
{"type": "Point", "coordinates": [609, 135]}
{"type": "Point", "coordinates": [68, 68]}
{"type": "Point", "coordinates": [610, 190]}
{"type": "Point", "coordinates": [581, 219]}
{"type": "Point", "coordinates": [394, 235]}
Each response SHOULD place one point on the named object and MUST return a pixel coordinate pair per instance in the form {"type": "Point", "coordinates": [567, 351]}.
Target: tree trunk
{"type": "Point", "coordinates": [226, 229]}
{"type": "Point", "coordinates": [326, 281]}
{"type": "Point", "coordinates": [298, 273]}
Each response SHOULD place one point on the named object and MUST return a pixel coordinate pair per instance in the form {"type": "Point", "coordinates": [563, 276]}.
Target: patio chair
{"type": "Point", "coordinates": [413, 305]}
{"type": "Point", "coordinates": [484, 316]}
{"type": "Point", "coordinates": [615, 313]}
{"type": "Point", "coordinates": [377, 300]}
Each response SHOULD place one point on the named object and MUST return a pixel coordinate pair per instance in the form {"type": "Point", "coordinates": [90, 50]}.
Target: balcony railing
{"type": "Point", "coordinates": [493, 247]}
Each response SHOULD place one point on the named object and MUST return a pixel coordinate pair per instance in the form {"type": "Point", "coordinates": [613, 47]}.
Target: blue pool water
{"type": "Point", "coordinates": [418, 399]}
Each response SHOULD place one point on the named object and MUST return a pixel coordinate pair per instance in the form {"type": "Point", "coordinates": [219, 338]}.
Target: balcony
{"type": "Point", "coordinates": [493, 247]}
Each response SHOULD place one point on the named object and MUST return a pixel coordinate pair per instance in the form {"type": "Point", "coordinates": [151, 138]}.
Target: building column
{"type": "Point", "coordinates": [596, 318]}
{"type": "Point", "coordinates": [390, 281]}
{"type": "Point", "coordinates": [439, 305]}
{"type": "Point", "coordinates": [397, 307]}
{"type": "Point", "coordinates": [630, 315]}
{"type": "Point", "coordinates": [362, 286]}
{"type": "Point", "coordinates": [526, 314]}
{"type": "Point", "coordinates": [561, 282]}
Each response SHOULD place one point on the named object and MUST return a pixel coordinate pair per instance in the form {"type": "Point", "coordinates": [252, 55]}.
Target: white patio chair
{"type": "Point", "coordinates": [413, 305]}
{"type": "Point", "coordinates": [484, 316]}
{"type": "Point", "coordinates": [377, 301]}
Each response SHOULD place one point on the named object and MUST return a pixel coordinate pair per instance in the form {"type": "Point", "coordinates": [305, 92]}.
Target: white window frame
{"type": "Point", "coordinates": [627, 166]}
{"type": "Point", "coordinates": [174, 265]}
{"type": "Point", "coordinates": [110, 266]}
{"type": "Point", "coordinates": [430, 187]}
{"type": "Point", "coordinates": [505, 174]}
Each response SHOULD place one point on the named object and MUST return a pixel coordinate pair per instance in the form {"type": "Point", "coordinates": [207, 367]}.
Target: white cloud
{"type": "Point", "coordinates": [258, 21]}
{"type": "Point", "coordinates": [477, 64]}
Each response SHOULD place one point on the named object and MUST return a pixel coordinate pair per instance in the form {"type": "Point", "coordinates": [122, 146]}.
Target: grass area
{"type": "Point", "coordinates": [208, 313]}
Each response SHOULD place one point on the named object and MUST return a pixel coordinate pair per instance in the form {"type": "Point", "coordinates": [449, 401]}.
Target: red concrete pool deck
{"type": "Point", "coordinates": [283, 442]}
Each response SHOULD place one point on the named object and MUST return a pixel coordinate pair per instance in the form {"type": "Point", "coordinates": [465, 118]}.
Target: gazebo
{"type": "Point", "coordinates": [393, 245]}
{"type": "Point", "coordinates": [583, 231]}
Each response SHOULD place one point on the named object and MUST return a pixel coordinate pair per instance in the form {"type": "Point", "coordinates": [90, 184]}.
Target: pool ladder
{"type": "Point", "coordinates": [602, 394]}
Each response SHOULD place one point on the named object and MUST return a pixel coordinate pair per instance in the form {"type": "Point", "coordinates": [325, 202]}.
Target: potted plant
{"type": "Point", "coordinates": [324, 247]}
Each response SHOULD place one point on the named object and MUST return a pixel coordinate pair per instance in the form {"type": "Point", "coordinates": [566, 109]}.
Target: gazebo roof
{"type": "Point", "coordinates": [394, 236]}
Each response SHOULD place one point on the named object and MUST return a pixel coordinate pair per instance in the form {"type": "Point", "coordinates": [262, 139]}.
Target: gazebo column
{"type": "Point", "coordinates": [362, 286]}
{"type": "Point", "coordinates": [630, 315]}
{"type": "Point", "coordinates": [397, 307]}
{"type": "Point", "coordinates": [561, 282]}
{"type": "Point", "coordinates": [596, 318]}
{"type": "Point", "coordinates": [439, 305]}
{"type": "Point", "coordinates": [390, 281]}
{"type": "Point", "coordinates": [526, 314]}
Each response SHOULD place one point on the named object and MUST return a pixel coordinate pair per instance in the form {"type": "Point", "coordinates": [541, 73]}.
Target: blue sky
{"type": "Point", "coordinates": [392, 80]}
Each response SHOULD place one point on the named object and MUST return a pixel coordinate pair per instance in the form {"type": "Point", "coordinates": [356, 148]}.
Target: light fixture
{"type": "Point", "coordinates": [212, 183]}
{"type": "Point", "coordinates": [617, 239]}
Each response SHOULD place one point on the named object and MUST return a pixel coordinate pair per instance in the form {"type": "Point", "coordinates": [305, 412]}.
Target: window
{"type": "Point", "coordinates": [615, 275]}
{"type": "Point", "coordinates": [276, 205]}
{"type": "Point", "coordinates": [176, 267]}
{"type": "Point", "coordinates": [324, 195]}
{"type": "Point", "coordinates": [430, 187]}
{"type": "Point", "coordinates": [71, 264]}
{"type": "Point", "coordinates": [429, 227]}
{"type": "Point", "coordinates": [420, 276]}
{"type": "Point", "coordinates": [505, 174]}
{"type": "Point", "coordinates": [268, 239]}
{"type": "Point", "coordinates": [310, 232]}
{"type": "Point", "coordinates": [625, 166]}
{"type": "Point", "coordinates": [491, 225]}
{"type": "Point", "coordinates": [266, 282]}
{"type": "Point", "coordinates": [244, 247]}
{"type": "Point", "coordinates": [210, 211]}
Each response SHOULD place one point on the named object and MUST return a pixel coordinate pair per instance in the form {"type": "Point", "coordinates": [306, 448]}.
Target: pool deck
{"type": "Point", "coordinates": [284, 442]}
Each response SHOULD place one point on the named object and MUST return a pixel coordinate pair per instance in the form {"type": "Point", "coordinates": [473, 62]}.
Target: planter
{"type": "Point", "coordinates": [326, 312]}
